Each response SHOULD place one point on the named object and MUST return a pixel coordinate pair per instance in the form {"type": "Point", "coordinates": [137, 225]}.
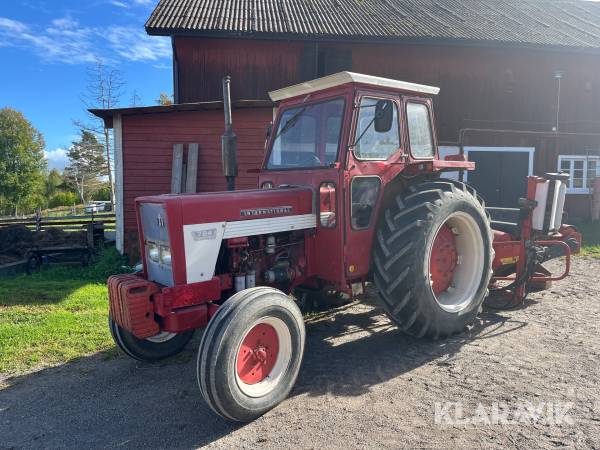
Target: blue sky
{"type": "Point", "coordinates": [47, 47]}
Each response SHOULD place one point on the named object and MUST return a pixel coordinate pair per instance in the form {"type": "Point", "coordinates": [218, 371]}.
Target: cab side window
{"type": "Point", "coordinates": [419, 130]}
{"type": "Point", "coordinates": [371, 144]}
{"type": "Point", "coordinates": [364, 192]}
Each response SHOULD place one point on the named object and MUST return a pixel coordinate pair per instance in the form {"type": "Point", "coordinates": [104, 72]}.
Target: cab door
{"type": "Point", "coordinates": [375, 156]}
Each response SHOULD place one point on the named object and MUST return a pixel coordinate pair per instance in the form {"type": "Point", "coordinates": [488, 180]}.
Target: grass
{"type": "Point", "coordinates": [61, 313]}
{"type": "Point", "coordinates": [55, 316]}
{"type": "Point", "coordinates": [591, 238]}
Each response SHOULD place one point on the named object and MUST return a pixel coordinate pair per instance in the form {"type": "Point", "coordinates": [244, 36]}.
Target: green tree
{"type": "Point", "coordinates": [22, 162]}
{"type": "Point", "coordinates": [103, 193]}
{"type": "Point", "coordinates": [63, 198]}
{"type": "Point", "coordinates": [87, 165]}
{"type": "Point", "coordinates": [54, 182]}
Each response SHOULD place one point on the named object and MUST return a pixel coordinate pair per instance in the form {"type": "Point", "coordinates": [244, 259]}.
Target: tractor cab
{"type": "Point", "coordinates": [351, 137]}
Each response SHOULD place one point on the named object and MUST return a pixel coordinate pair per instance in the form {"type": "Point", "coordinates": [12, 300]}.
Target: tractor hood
{"type": "Point", "coordinates": [192, 226]}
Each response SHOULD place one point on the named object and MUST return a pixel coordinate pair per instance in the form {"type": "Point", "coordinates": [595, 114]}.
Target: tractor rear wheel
{"type": "Point", "coordinates": [433, 258]}
{"type": "Point", "coordinates": [154, 348]}
{"type": "Point", "coordinates": [250, 354]}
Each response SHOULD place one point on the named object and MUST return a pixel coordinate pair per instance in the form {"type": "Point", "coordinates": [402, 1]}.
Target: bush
{"type": "Point", "coordinates": [102, 194]}
{"type": "Point", "coordinates": [66, 198]}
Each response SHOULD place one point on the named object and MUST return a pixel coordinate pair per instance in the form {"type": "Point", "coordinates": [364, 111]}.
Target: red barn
{"type": "Point", "coordinates": [520, 90]}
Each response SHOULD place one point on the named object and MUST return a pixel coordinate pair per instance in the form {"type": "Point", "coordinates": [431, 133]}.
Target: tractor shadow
{"type": "Point", "coordinates": [350, 351]}
{"type": "Point", "coordinates": [110, 401]}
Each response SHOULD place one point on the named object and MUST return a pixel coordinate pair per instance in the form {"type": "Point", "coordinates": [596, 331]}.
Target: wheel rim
{"type": "Point", "coordinates": [263, 356]}
{"type": "Point", "coordinates": [456, 262]}
{"type": "Point", "coordinates": [162, 337]}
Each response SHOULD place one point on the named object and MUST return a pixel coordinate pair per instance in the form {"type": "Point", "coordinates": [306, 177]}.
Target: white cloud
{"type": "Point", "coordinates": [118, 3]}
{"type": "Point", "coordinates": [57, 159]}
{"type": "Point", "coordinates": [134, 44]}
{"type": "Point", "coordinates": [65, 23]}
{"type": "Point", "coordinates": [65, 41]}
{"type": "Point", "coordinates": [132, 3]}
{"type": "Point", "coordinates": [12, 25]}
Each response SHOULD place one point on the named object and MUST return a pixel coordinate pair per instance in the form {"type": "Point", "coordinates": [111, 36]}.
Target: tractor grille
{"type": "Point", "coordinates": [131, 304]}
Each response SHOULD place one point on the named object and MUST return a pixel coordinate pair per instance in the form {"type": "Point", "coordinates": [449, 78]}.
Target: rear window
{"type": "Point", "coordinates": [419, 130]}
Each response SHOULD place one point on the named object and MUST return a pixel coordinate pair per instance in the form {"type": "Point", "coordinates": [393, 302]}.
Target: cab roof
{"type": "Point", "coordinates": [341, 78]}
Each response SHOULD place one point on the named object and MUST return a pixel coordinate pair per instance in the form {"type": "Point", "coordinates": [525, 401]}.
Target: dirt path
{"type": "Point", "coordinates": [363, 384]}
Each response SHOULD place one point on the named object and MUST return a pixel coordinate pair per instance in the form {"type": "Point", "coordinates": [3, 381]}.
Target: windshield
{"type": "Point", "coordinates": [308, 136]}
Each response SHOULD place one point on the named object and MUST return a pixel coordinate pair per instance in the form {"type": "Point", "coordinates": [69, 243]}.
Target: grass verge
{"type": "Point", "coordinates": [56, 315]}
{"type": "Point", "coordinates": [591, 238]}
{"type": "Point", "coordinates": [61, 313]}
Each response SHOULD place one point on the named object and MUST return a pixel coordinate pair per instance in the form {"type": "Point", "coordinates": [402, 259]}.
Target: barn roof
{"type": "Point", "coordinates": [108, 114]}
{"type": "Point", "coordinates": [555, 23]}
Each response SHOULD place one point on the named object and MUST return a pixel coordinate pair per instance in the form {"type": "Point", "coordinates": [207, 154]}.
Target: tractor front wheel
{"type": "Point", "coordinates": [251, 353]}
{"type": "Point", "coordinates": [433, 258]}
{"type": "Point", "coordinates": [154, 348]}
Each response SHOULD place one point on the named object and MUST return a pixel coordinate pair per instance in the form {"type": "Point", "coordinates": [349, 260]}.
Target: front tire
{"type": "Point", "coordinates": [161, 346]}
{"type": "Point", "coordinates": [251, 353]}
{"type": "Point", "coordinates": [433, 258]}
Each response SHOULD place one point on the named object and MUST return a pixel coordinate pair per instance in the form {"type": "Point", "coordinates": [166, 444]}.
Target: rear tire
{"type": "Point", "coordinates": [155, 348]}
{"type": "Point", "coordinates": [251, 353]}
{"type": "Point", "coordinates": [433, 257]}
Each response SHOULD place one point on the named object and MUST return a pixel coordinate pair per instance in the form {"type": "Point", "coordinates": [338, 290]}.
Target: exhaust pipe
{"type": "Point", "coordinates": [229, 139]}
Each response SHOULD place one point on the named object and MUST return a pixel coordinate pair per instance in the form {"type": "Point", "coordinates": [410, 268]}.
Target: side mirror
{"type": "Point", "coordinates": [269, 131]}
{"type": "Point", "coordinates": [384, 115]}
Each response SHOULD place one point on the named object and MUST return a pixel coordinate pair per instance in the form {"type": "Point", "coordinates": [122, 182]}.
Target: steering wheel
{"type": "Point", "coordinates": [310, 159]}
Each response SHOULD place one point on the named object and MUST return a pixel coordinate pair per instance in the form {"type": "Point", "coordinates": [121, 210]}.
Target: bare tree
{"type": "Point", "coordinates": [135, 100]}
{"type": "Point", "coordinates": [104, 90]}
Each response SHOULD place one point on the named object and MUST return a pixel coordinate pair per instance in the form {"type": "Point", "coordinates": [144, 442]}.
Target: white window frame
{"type": "Point", "coordinates": [585, 159]}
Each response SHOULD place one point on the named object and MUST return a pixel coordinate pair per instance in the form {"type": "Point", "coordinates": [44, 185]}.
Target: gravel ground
{"type": "Point", "coordinates": [524, 378]}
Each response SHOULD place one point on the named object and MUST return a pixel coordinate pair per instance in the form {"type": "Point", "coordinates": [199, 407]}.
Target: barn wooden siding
{"type": "Point", "coordinates": [148, 141]}
{"type": "Point", "coordinates": [503, 87]}
{"type": "Point", "coordinates": [495, 87]}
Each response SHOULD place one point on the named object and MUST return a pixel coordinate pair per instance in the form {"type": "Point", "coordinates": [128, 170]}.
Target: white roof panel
{"type": "Point", "coordinates": [340, 78]}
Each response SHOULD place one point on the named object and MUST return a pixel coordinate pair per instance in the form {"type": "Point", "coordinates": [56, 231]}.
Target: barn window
{"type": "Point", "coordinates": [582, 171]}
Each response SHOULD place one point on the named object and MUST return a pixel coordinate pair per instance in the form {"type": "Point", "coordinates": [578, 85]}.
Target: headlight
{"type": "Point", "coordinates": [153, 252]}
{"type": "Point", "coordinates": [267, 185]}
{"type": "Point", "coordinates": [165, 255]}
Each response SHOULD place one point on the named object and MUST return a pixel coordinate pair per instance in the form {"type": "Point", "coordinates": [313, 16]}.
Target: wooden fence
{"type": "Point", "coordinates": [65, 223]}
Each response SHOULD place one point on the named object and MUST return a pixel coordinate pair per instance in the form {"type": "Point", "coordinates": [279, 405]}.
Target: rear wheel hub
{"type": "Point", "coordinates": [443, 261]}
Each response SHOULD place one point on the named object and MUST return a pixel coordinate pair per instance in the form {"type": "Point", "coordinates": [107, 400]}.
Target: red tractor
{"type": "Point", "coordinates": [351, 191]}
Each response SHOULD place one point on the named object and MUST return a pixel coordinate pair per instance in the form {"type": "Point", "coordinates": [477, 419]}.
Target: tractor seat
{"type": "Point", "coordinates": [505, 219]}
{"type": "Point", "coordinates": [507, 227]}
